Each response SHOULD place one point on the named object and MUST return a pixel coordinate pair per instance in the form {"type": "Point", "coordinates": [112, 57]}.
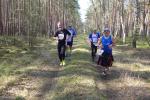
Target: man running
{"type": "Point", "coordinates": [70, 39]}
{"type": "Point", "coordinates": [61, 35]}
{"type": "Point", "coordinates": [94, 39]}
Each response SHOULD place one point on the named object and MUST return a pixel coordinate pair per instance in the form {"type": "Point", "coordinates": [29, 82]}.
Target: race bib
{"type": "Point", "coordinates": [61, 36]}
{"type": "Point", "coordinates": [94, 38]}
{"type": "Point", "coordinates": [100, 52]}
{"type": "Point", "coordinates": [96, 44]}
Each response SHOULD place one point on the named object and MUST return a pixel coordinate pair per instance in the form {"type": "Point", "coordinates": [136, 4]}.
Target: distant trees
{"type": "Point", "coordinates": [1, 24]}
{"type": "Point", "coordinates": [31, 18]}
{"type": "Point", "coordinates": [124, 17]}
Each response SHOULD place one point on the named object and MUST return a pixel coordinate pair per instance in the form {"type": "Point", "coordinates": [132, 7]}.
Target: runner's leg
{"type": "Point", "coordinates": [59, 53]}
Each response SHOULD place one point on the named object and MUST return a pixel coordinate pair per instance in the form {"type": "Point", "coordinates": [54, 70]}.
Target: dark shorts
{"type": "Point", "coordinates": [69, 43]}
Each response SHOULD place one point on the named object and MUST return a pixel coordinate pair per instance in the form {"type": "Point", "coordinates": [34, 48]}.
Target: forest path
{"type": "Point", "coordinates": [81, 78]}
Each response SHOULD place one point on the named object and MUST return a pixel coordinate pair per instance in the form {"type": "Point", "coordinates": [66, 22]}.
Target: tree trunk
{"type": "Point", "coordinates": [1, 24]}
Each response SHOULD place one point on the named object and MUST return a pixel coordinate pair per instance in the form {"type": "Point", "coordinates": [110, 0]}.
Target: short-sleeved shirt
{"type": "Point", "coordinates": [62, 35]}
{"type": "Point", "coordinates": [73, 33]}
{"type": "Point", "coordinates": [94, 37]}
{"type": "Point", "coordinates": [106, 41]}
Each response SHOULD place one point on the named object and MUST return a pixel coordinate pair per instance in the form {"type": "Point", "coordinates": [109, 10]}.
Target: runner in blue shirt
{"type": "Point", "coordinates": [94, 41]}
{"type": "Point", "coordinates": [106, 44]}
{"type": "Point", "coordinates": [70, 38]}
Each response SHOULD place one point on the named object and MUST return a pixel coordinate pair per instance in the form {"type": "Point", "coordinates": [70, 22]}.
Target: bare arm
{"type": "Point", "coordinates": [113, 43]}
{"type": "Point", "coordinates": [100, 43]}
{"type": "Point", "coordinates": [88, 41]}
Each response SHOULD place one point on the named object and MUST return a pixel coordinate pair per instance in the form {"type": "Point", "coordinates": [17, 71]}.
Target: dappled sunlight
{"type": "Point", "coordinates": [127, 80]}
{"type": "Point", "coordinates": [87, 81]}
{"type": "Point", "coordinates": [4, 80]}
{"type": "Point", "coordinates": [74, 87]}
{"type": "Point", "coordinates": [115, 52]}
{"type": "Point", "coordinates": [79, 71]}
{"type": "Point", "coordinates": [129, 60]}
{"type": "Point", "coordinates": [80, 50]}
{"type": "Point", "coordinates": [131, 86]}
{"type": "Point", "coordinates": [75, 80]}
{"type": "Point", "coordinates": [127, 85]}
{"type": "Point", "coordinates": [140, 73]}
{"type": "Point", "coordinates": [101, 85]}
{"type": "Point", "coordinates": [132, 67]}
{"type": "Point", "coordinates": [80, 79]}
{"type": "Point", "coordinates": [26, 69]}
{"type": "Point", "coordinates": [79, 62]}
{"type": "Point", "coordinates": [16, 79]}
{"type": "Point", "coordinates": [53, 43]}
{"type": "Point", "coordinates": [17, 92]}
{"type": "Point", "coordinates": [77, 45]}
{"type": "Point", "coordinates": [49, 49]}
{"type": "Point", "coordinates": [41, 45]}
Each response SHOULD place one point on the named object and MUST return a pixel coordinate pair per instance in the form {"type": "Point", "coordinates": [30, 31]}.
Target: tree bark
{"type": "Point", "coordinates": [1, 24]}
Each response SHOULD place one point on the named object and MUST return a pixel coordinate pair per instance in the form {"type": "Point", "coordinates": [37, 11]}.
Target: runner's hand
{"type": "Point", "coordinates": [110, 46]}
{"type": "Point", "coordinates": [101, 46]}
{"type": "Point", "coordinates": [89, 44]}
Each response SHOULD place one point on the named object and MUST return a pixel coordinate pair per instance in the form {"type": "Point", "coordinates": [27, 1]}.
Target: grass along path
{"type": "Point", "coordinates": [81, 79]}
{"type": "Point", "coordinates": [34, 83]}
{"type": "Point", "coordinates": [76, 81]}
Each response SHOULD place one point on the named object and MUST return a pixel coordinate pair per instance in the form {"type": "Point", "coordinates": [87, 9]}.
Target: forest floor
{"type": "Point", "coordinates": [35, 75]}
